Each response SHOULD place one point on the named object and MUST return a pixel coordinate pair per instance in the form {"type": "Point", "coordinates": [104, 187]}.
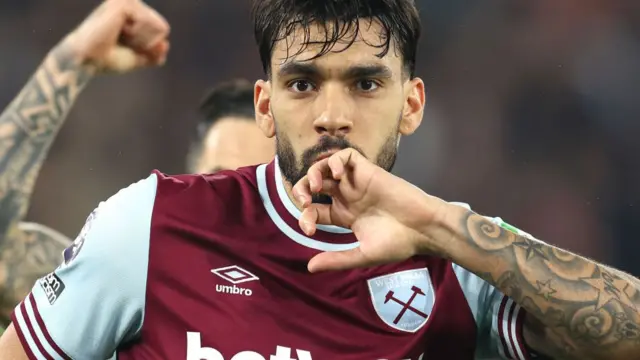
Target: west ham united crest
{"type": "Point", "coordinates": [403, 300]}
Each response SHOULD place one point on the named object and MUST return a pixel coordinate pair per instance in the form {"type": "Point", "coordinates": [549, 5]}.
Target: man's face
{"type": "Point", "coordinates": [234, 142]}
{"type": "Point", "coordinates": [348, 97]}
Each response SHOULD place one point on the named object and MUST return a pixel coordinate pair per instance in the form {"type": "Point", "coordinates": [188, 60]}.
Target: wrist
{"type": "Point", "coordinates": [442, 229]}
{"type": "Point", "coordinates": [71, 53]}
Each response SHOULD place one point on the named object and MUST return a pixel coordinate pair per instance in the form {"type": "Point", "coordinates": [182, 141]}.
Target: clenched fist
{"type": "Point", "coordinates": [120, 36]}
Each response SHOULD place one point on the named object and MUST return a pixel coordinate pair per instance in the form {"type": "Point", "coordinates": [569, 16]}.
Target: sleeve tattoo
{"type": "Point", "coordinates": [27, 129]}
{"type": "Point", "coordinates": [576, 308]}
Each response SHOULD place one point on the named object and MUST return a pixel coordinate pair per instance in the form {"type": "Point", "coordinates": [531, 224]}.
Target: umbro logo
{"type": "Point", "coordinates": [235, 275]}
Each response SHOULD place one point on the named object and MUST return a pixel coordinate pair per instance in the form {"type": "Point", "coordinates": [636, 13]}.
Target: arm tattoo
{"type": "Point", "coordinates": [577, 308]}
{"type": "Point", "coordinates": [27, 129]}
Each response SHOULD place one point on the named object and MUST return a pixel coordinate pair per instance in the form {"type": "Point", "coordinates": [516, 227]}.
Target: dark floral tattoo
{"type": "Point", "coordinates": [576, 308]}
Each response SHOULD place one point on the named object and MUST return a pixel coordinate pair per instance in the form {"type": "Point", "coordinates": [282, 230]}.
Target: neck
{"type": "Point", "coordinates": [288, 187]}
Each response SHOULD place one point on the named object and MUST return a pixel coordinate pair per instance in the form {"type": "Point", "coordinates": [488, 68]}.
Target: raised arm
{"type": "Point", "coordinates": [575, 308]}
{"type": "Point", "coordinates": [28, 127]}
{"type": "Point", "coordinates": [120, 36]}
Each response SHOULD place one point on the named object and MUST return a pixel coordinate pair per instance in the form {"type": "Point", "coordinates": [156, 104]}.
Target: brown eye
{"type": "Point", "coordinates": [366, 85]}
{"type": "Point", "coordinates": [301, 86]}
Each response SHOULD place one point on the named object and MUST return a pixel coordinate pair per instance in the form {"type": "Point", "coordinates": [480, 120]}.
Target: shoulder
{"type": "Point", "coordinates": [111, 254]}
{"type": "Point", "coordinates": [205, 198]}
{"type": "Point", "coordinates": [220, 183]}
{"type": "Point", "coordinates": [117, 225]}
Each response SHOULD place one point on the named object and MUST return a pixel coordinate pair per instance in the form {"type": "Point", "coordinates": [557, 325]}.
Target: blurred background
{"type": "Point", "coordinates": [533, 111]}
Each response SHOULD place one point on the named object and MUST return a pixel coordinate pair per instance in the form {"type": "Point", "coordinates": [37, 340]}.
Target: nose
{"type": "Point", "coordinates": [335, 109]}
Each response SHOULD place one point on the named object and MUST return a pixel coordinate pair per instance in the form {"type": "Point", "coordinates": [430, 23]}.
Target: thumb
{"type": "Point", "coordinates": [338, 260]}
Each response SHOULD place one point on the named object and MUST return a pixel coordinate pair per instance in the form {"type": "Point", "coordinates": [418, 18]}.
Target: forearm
{"type": "Point", "coordinates": [28, 127]}
{"type": "Point", "coordinates": [587, 310]}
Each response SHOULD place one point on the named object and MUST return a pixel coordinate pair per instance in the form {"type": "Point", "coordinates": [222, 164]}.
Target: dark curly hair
{"type": "Point", "coordinates": [277, 19]}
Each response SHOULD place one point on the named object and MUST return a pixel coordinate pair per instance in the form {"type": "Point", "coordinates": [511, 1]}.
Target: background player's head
{"type": "Point", "coordinates": [227, 136]}
{"type": "Point", "coordinates": [340, 74]}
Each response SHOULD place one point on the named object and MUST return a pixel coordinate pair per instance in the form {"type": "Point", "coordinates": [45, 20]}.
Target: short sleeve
{"type": "Point", "coordinates": [498, 319]}
{"type": "Point", "coordinates": [94, 301]}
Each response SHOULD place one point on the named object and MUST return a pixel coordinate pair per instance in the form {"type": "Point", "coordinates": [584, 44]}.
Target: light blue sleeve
{"type": "Point", "coordinates": [498, 319]}
{"type": "Point", "coordinates": [95, 300]}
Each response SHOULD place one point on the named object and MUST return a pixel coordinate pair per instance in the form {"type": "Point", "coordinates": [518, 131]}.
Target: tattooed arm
{"type": "Point", "coordinates": [576, 308]}
{"type": "Point", "coordinates": [28, 127]}
{"type": "Point", "coordinates": [117, 37]}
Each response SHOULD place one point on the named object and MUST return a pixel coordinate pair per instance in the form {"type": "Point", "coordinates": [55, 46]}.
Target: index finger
{"type": "Point", "coordinates": [302, 191]}
{"type": "Point", "coordinates": [316, 173]}
{"type": "Point", "coordinates": [340, 161]}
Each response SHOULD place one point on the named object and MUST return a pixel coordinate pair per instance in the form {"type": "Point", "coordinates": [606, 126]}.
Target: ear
{"type": "Point", "coordinates": [262, 105]}
{"type": "Point", "coordinates": [413, 106]}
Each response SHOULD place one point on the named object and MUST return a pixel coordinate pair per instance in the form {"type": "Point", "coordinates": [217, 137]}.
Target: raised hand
{"type": "Point", "coordinates": [387, 214]}
{"type": "Point", "coordinates": [120, 36]}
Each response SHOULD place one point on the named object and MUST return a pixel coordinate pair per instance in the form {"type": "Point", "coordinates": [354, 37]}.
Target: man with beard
{"type": "Point", "coordinates": [232, 265]}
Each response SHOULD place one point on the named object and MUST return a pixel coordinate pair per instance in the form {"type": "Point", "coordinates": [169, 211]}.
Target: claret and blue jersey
{"type": "Point", "coordinates": [215, 267]}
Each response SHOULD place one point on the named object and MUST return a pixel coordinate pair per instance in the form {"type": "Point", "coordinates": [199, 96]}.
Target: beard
{"type": "Point", "coordinates": [293, 169]}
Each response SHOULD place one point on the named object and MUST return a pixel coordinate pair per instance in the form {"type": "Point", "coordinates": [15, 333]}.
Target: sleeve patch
{"type": "Point", "coordinates": [72, 251]}
{"type": "Point", "coordinates": [52, 286]}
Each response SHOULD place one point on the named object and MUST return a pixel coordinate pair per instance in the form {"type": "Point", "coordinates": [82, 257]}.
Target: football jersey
{"type": "Point", "coordinates": [214, 267]}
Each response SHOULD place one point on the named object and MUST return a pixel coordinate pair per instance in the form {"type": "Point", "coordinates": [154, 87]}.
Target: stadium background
{"type": "Point", "coordinates": [533, 111]}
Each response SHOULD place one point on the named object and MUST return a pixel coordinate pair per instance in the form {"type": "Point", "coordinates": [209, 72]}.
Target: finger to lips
{"type": "Point", "coordinates": [339, 162]}
{"type": "Point", "coordinates": [337, 166]}
{"type": "Point", "coordinates": [329, 187]}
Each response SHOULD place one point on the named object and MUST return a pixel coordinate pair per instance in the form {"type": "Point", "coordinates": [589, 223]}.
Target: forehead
{"type": "Point", "coordinates": [346, 49]}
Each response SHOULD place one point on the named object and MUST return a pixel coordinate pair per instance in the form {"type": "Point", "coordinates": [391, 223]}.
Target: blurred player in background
{"type": "Point", "coordinates": [217, 267]}
{"type": "Point", "coordinates": [29, 124]}
{"type": "Point", "coordinates": [226, 138]}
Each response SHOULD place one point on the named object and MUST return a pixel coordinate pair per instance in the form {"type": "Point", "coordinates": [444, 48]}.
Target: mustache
{"type": "Point", "coordinates": [327, 143]}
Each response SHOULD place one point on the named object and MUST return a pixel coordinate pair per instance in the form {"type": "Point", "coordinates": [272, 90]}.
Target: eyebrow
{"type": "Point", "coordinates": [353, 72]}
{"type": "Point", "coordinates": [299, 68]}
{"type": "Point", "coordinates": [368, 71]}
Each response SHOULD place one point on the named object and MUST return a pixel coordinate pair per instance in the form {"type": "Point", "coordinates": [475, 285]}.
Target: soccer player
{"type": "Point", "coordinates": [234, 265]}
{"type": "Point", "coordinates": [226, 138]}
